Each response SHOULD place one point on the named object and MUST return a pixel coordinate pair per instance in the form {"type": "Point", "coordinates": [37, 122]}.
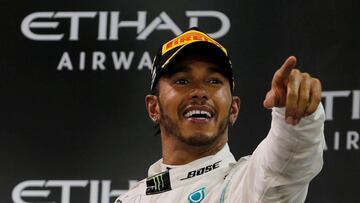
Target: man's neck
{"type": "Point", "coordinates": [175, 152]}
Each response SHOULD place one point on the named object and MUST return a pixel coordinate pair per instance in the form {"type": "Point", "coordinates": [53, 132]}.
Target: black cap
{"type": "Point", "coordinates": [190, 41]}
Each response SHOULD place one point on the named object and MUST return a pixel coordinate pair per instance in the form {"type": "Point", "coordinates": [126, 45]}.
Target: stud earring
{"type": "Point", "coordinates": [155, 118]}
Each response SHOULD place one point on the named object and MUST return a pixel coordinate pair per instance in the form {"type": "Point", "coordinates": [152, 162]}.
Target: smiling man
{"type": "Point", "coordinates": [192, 103]}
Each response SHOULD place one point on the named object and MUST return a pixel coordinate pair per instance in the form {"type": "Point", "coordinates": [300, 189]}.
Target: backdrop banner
{"type": "Point", "coordinates": [74, 75]}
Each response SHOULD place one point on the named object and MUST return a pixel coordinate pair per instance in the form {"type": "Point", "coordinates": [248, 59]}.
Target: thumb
{"type": "Point", "coordinates": [270, 100]}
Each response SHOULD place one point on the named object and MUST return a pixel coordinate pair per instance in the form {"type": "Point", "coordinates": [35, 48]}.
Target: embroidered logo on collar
{"type": "Point", "coordinates": [202, 170]}
{"type": "Point", "coordinates": [158, 183]}
{"type": "Point", "coordinates": [197, 196]}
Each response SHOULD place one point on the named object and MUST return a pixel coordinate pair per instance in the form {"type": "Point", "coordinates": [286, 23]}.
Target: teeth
{"type": "Point", "coordinates": [198, 112]}
{"type": "Point", "coordinates": [206, 113]}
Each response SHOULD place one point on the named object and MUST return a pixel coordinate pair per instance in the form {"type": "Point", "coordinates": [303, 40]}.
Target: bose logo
{"type": "Point", "coordinates": [201, 171]}
{"type": "Point", "coordinates": [109, 23]}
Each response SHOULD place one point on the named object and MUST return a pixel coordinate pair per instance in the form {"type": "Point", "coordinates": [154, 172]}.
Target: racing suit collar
{"type": "Point", "coordinates": [163, 180]}
{"type": "Point", "coordinates": [159, 166]}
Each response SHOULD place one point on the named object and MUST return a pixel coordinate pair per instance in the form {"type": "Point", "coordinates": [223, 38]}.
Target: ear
{"type": "Point", "coordinates": [235, 108]}
{"type": "Point", "coordinates": [152, 107]}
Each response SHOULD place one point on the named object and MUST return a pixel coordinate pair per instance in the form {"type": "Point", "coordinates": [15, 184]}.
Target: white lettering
{"type": "Point", "coordinates": [115, 24]}
{"type": "Point", "coordinates": [65, 187]}
{"type": "Point", "coordinates": [28, 23]}
{"type": "Point", "coordinates": [122, 60]}
{"type": "Point", "coordinates": [356, 105]}
{"type": "Point", "coordinates": [98, 60]}
{"type": "Point", "coordinates": [107, 193]}
{"type": "Point", "coordinates": [65, 62]}
{"type": "Point", "coordinates": [145, 61]}
{"type": "Point", "coordinates": [19, 190]}
{"type": "Point", "coordinates": [94, 191]}
{"type": "Point", "coordinates": [102, 32]}
{"type": "Point", "coordinates": [329, 101]}
{"type": "Point", "coordinates": [225, 22]}
{"type": "Point", "coordinates": [168, 24]}
{"type": "Point", "coordinates": [349, 140]}
{"type": "Point", "coordinates": [352, 140]}
{"type": "Point", "coordinates": [74, 21]}
{"type": "Point", "coordinates": [82, 61]}
{"type": "Point", "coordinates": [161, 22]}
{"type": "Point", "coordinates": [336, 141]}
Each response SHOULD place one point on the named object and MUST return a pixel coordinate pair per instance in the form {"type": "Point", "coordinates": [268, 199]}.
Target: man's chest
{"type": "Point", "coordinates": [207, 190]}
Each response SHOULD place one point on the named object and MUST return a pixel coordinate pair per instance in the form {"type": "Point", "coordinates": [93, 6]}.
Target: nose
{"type": "Point", "coordinates": [199, 91]}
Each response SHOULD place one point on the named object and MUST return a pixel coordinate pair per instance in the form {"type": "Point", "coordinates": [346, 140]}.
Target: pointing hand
{"type": "Point", "coordinates": [298, 92]}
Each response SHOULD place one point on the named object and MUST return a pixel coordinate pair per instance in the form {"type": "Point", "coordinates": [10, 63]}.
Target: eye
{"type": "Point", "coordinates": [181, 82]}
{"type": "Point", "coordinates": [215, 81]}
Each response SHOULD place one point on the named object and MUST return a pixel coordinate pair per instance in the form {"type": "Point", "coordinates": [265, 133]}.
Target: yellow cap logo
{"type": "Point", "coordinates": [188, 38]}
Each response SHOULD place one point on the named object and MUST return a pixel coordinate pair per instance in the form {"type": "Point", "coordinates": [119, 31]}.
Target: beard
{"type": "Point", "coordinates": [195, 139]}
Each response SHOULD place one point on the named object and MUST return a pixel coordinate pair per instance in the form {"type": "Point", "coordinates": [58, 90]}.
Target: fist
{"type": "Point", "coordinates": [298, 92]}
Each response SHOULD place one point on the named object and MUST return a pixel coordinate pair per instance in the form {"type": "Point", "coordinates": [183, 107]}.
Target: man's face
{"type": "Point", "coordinates": [195, 102]}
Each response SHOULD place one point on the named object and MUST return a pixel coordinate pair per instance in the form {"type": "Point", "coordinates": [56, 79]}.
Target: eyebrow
{"type": "Point", "coordinates": [217, 69]}
{"type": "Point", "coordinates": [179, 69]}
{"type": "Point", "coordinates": [186, 69]}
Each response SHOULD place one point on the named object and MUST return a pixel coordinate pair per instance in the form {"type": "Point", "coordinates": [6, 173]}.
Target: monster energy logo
{"type": "Point", "coordinates": [158, 183]}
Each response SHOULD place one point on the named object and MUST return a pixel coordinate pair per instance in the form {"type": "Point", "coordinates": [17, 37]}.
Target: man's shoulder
{"type": "Point", "coordinates": [242, 162]}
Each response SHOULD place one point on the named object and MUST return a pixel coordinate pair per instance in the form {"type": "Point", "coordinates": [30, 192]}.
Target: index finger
{"type": "Point", "coordinates": [284, 71]}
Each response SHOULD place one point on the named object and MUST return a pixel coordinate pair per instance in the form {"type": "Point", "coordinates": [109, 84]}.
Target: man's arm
{"type": "Point", "coordinates": [282, 166]}
{"type": "Point", "coordinates": [288, 159]}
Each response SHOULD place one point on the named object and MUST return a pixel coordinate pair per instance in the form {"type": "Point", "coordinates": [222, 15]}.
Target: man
{"type": "Point", "coordinates": [193, 104]}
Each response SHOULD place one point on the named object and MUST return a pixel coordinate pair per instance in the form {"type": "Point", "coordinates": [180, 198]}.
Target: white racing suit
{"type": "Point", "coordinates": [279, 170]}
